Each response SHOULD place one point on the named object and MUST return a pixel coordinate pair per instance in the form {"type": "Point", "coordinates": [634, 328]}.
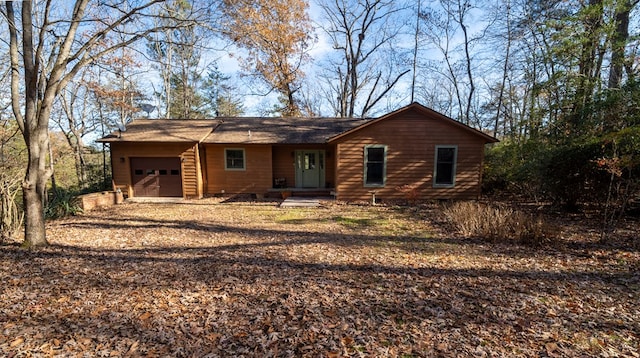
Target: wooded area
{"type": "Point", "coordinates": [556, 81]}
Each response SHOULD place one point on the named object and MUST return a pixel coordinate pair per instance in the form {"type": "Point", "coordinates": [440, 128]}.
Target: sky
{"type": "Point", "coordinates": [255, 102]}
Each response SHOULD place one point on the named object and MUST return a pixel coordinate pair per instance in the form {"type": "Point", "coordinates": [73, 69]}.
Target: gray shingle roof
{"type": "Point", "coordinates": [280, 130]}
{"type": "Point", "coordinates": [262, 130]}
{"type": "Point", "coordinates": [164, 130]}
{"type": "Point", "coordinates": [236, 130]}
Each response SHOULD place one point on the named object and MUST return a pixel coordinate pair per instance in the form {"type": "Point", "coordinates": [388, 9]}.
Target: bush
{"type": "Point", "coordinates": [498, 223]}
{"type": "Point", "coordinates": [565, 174]}
{"type": "Point", "coordinates": [621, 163]}
{"type": "Point", "coordinates": [62, 204]}
{"type": "Point", "coordinates": [571, 175]}
{"type": "Point", "coordinates": [514, 169]}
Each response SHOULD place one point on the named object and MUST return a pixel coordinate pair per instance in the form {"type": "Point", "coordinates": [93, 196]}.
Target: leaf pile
{"type": "Point", "coordinates": [209, 279]}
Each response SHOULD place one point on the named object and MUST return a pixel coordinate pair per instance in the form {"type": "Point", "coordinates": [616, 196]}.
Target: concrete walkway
{"type": "Point", "coordinates": [162, 200]}
{"type": "Point", "coordinates": [300, 202]}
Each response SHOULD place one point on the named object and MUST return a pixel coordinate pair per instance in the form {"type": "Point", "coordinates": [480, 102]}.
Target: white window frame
{"type": "Point", "coordinates": [453, 170]}
{"type": "Point", "coordinates": [244, 159]}
{"type": "Point", "coordinates": [384, 166]}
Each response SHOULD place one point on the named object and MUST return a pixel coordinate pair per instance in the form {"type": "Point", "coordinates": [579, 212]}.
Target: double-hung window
{"type": "Point", "coordinates": [375, 165]}
{"type": "Point", "coordinates": [234, 159]}
{"type": "Point", "coordinates": [444, 175]}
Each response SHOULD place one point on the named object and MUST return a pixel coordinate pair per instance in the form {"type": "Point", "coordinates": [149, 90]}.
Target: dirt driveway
{"type": "Point", "coordinates": [202, 278]}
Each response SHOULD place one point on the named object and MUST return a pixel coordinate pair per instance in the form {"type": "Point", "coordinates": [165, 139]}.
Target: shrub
{"type": "Point", "coordinates": [622, 164]}
{"type": "Point", "coordinates": [63, 203]}
{"type": "Point", "coordinates": [497, 223]}
{"type": "Point", "coordinates": [571, 175]}
{"type": "Point", "coordinates": [514, 169]}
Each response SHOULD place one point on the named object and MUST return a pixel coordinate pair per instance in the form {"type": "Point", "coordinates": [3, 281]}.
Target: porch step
{"type": "Point", "coordinates": [299, 192]}
{"type": "Point", "coordinates": [155, 199]}
{"type": "Point", "coordinates": [300, 202]}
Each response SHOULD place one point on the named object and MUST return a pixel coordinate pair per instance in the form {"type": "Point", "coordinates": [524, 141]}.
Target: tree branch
{"type": "Point", "coordinates": [15, 66]}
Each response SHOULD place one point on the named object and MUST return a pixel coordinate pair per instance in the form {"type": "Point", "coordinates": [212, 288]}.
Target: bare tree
{"type": "Point", "coordinates": [177, 55]}
{"type": "Point", "coordinates": [114, 87]}
{"type": "Point", "coordinates": [504, 38]}
{"type": "Point", "coordinates": [443, 28]}
{"type": "Point", "coordinates": [416, 44]}
{"type": "Point", "coordinates": [363, 32]}
{"type": "Point", "coordinates": [49, 45]}
{"type": "Point", "coordinates": [11, 153]}
{"type": "Point", "coordinates": [75, 121]}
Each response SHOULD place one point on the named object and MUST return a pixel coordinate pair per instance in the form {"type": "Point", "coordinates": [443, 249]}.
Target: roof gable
{"type": "Point", "coordinates": [427, 112]}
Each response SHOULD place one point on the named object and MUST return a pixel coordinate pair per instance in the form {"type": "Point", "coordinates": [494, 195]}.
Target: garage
{"type": "Point", "coordinates": [156, 176]}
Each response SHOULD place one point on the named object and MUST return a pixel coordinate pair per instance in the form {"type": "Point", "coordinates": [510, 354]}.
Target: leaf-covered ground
{"type": "Point", "coordinates": [204, 278]}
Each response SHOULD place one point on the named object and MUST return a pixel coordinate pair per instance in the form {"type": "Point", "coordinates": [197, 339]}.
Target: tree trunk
{"type": "Point", "coordinates": [505, 70]}
{"type": "Point", "coordinates": [54, 185]}
{"type": "Point", "coordinates": [292, 107]}
{"type": "Point", "coordinates": [619, 41]}
{"type": "Point", "coordinates": [472, 87]}
{"type": "Point", "coordinates": [77, 145]}
{"type": "Point", "coordinates": [33, 192]}
{"type": "Point", "coordinates": [587, 68]}
{"type": "Point", "coordinates": [33, 124]}
{"type": "Point", "coordinates": [45, 73]}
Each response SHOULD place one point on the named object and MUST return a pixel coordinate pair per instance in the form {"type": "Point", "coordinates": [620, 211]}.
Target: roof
{"type": "Point", "coordinates": [294, 130]}
{"type": "Point", "coordinates": [164, 130]}
{"type": "Point", "coordinates": [263, 130]}
{"type": "Point", "coordinates": [428, 112]}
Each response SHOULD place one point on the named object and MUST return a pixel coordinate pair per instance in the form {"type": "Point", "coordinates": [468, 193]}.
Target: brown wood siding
{"type": "Point", "coordinates": [284, 162]}
{"type": "Point", "coordinates": [190, 173]}
{"type": "Point", "coordinates": [330, 166]}
{"type": "Point", "coordinates": [121, 152]}
{"type": "Point", "coordinates": [411, 140]}
{"type": "Point", "coordinates": [256, 178]}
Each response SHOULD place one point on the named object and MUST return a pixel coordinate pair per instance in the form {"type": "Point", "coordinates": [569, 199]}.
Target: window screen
{"type": "Point", "coordinates": [375, 165]}
{"type": "Point", "coordinates": [445, 168]}
{"type": "Point", "coordinates": [234, 158]}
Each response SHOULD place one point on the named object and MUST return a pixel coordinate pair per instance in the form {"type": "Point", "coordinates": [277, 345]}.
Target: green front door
{"type": "Point", "coordinates": [309, 168]}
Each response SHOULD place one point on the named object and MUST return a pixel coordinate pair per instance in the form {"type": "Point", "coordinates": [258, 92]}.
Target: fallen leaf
{"type": "Point", "coordinates": [16, 342]}
{"type": "Point", "coordinates": [347, 341]}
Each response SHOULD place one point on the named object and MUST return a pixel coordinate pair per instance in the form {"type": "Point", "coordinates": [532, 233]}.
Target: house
{"type": "Point", "coordinates": [354, 159]}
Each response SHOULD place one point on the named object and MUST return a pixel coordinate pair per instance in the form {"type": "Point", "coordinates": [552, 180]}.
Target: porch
{"type": "Point", "coordinates": [273, 171]}
{"type": "Point", "coordinates": [303, 170]}
{"type": "Point", "coordinates": [286, 192]}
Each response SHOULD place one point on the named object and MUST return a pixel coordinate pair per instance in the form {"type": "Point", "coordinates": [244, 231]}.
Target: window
{"type": "Point", "coordinates": [175, 171]}
{"type": "Point", "coordinates": [163, 172]}
{"type": "Point", "coordinates": [309, 161]}
{"type": "Point", "coordinates": [444, 175]}
{"type": "Point", "coordinates": [234, 159]}
{"type": "Point", "coordinates": [375, 165]}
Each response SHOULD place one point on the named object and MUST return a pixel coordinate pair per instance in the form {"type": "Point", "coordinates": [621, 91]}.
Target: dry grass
{"type": "Point", "coordinates": [498, 223]}
{"type": "Point", "coordinates": [249, 279]}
